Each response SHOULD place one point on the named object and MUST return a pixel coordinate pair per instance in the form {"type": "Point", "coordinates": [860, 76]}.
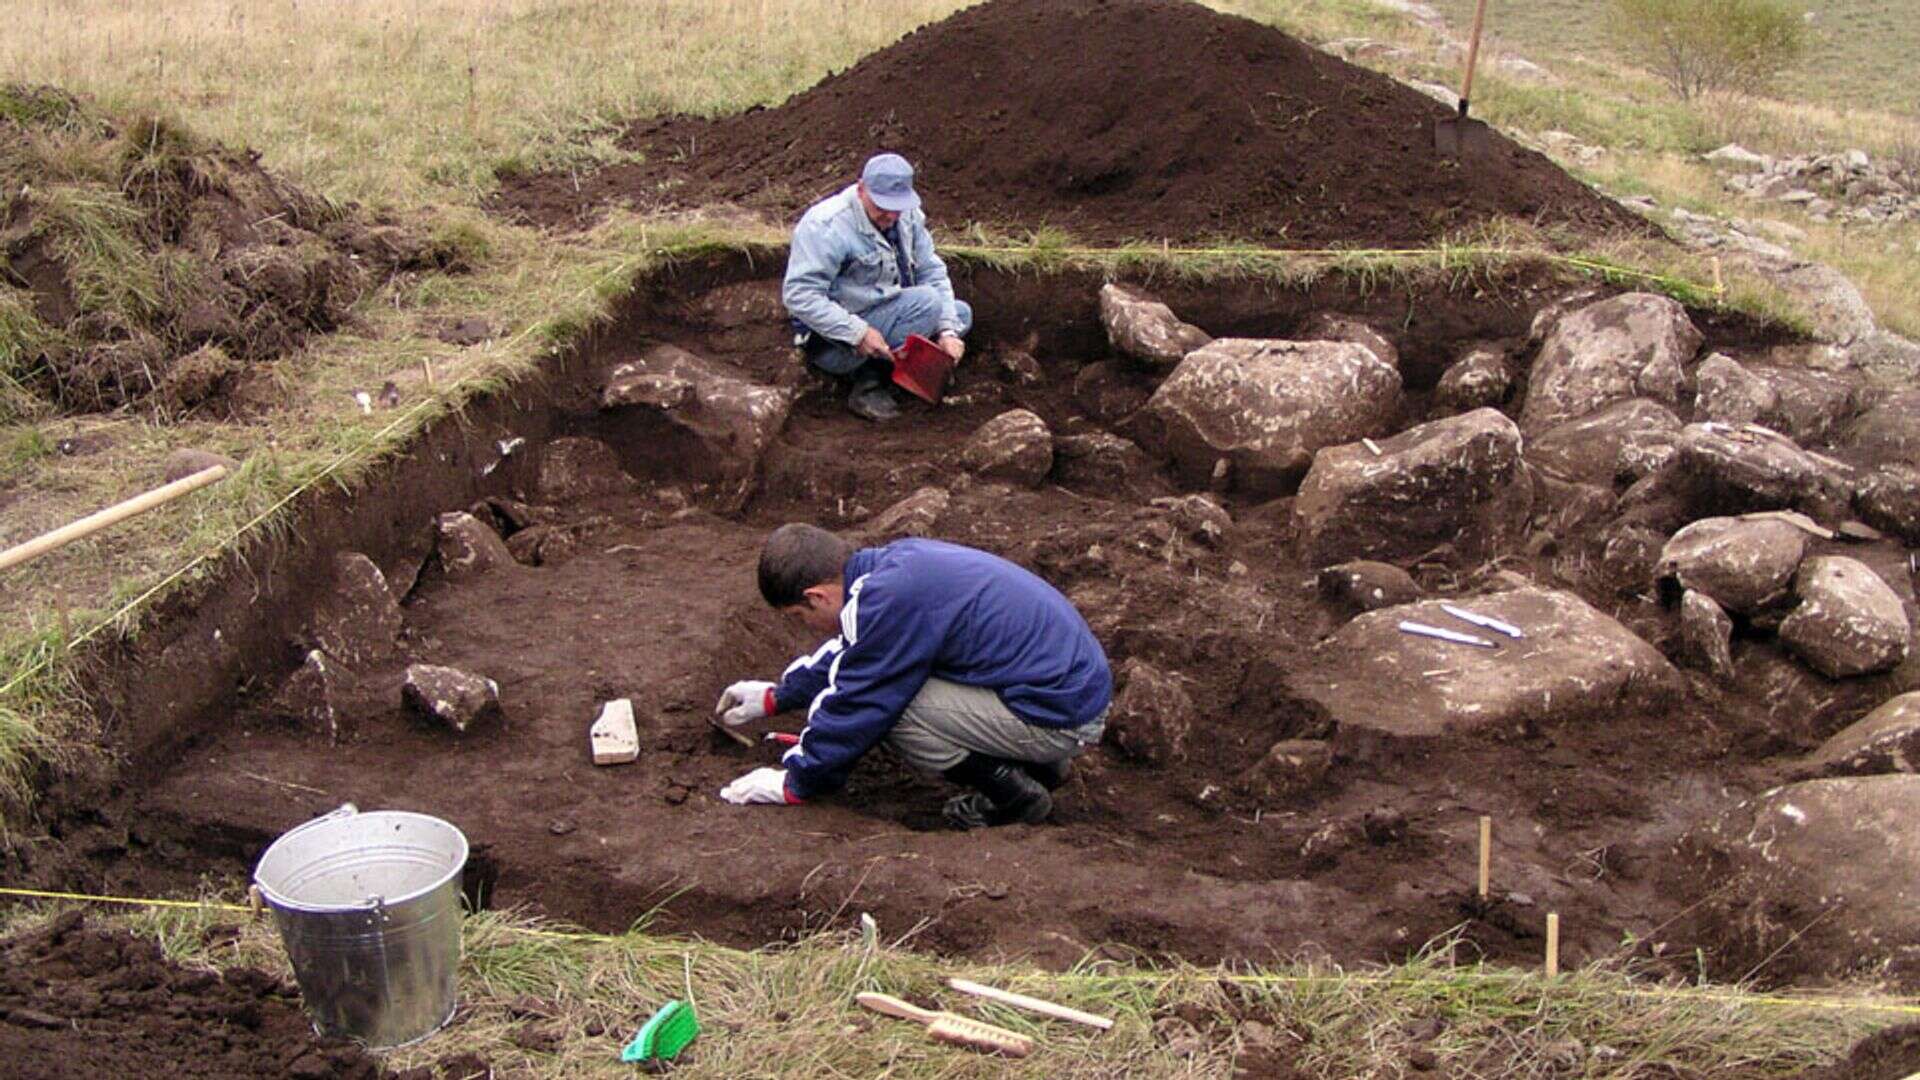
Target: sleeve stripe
{"type": "Point", "coordinates": [826, 649]}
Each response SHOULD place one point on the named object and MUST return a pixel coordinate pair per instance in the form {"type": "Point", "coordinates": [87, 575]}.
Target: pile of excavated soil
{"type": "Point", "coordinates": [139, 261]}
{"type": "Point", "coordinates": [81, 1002]}
{"type": "Point", "coordinates": [1112, 119]}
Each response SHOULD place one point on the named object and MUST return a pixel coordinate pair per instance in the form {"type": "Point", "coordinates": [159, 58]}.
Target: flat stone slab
{"type": "Point", "coordinates": [1574, 663]}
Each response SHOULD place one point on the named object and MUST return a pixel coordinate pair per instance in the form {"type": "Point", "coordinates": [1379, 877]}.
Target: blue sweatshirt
{"type": "Point", "coordinates": [917, 609]}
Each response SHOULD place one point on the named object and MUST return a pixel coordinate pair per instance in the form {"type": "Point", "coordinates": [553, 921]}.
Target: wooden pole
{"type": "Point", "coordinates": [1486, 855]}
{"type": "Point", "coordinates": [111, 516]}
{"type": "Point", "coordinates": [1553, 944]}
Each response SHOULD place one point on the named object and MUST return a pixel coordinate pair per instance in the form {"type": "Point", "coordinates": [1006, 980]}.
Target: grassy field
{"type": "Point", "coordinates": [416, 108]}
{"type": "Point", "coordinates": [1857, 56]}
{"type": "Point", "coordinates": [543, 1001]}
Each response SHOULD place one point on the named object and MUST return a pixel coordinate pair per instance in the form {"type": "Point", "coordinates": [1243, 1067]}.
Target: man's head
{"type": "Point", "coordinates": [886, 189]}
{"type": "Point", "coordinates": [800, 568]}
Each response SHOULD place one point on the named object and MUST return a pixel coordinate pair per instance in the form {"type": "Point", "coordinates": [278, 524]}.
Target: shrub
{"type": "Point", "coordinates": [1700, 46]}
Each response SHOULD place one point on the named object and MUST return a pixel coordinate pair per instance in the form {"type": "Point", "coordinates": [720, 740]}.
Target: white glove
{"type": "Point", "coordinates": [745, 702]}
{"type": "Point", "coordinates": [765, 785]}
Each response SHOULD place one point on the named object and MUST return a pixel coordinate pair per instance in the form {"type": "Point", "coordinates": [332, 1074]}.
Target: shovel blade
{"type": "Point", "coordinates": [1458, 136]}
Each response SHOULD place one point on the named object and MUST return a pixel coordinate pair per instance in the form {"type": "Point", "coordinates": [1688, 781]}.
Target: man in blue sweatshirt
{"type": "Point", "coordinates": [862, 275]}
{"type": "Point", "coordinates": [965, 665]}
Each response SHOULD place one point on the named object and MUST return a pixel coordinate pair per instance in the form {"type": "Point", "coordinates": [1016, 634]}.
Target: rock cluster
{"type": "Point", "coordinates": [1848, 186]}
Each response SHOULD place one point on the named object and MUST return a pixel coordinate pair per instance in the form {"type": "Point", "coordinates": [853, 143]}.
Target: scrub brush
{"type": "Point", "coordinates": [664, 1035]}
{"type": "Point", "coordinates": [950, 1028]}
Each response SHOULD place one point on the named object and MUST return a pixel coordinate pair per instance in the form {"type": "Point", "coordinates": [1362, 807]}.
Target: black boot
{"type": "Point", "coordinates": [1004, 794]}
{"type": "Point", "coordinates": [1051, 774]}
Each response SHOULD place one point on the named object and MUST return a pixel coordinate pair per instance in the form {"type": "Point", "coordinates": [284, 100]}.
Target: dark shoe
{"type": "Point", "coordinates": [1004, 794]}
{"type": "Point", "coordinates": [1051, 774]}
{"type": "Point", "coordinates": [872, 401]}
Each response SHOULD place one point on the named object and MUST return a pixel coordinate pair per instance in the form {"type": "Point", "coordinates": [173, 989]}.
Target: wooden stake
{"type": "Point", "coordinates": [427, 366]}
{"type": "Point", "coordinates": [1719, 285]}
{"type": "Point", "coordinates": [1486, 855]}
{"type": "Point", "coordinates": [112, 515]}
{"type": "Point", "coordinates": [1553, 944]}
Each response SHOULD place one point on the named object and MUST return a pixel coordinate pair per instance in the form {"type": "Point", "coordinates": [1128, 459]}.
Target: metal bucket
{"type": "Point", "coordinates": [369, 908]}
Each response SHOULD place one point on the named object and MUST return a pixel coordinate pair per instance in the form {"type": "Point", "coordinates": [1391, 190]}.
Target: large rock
{"type": "Point", "coordinates": [915, 515]}
{"type": "Point", "coordinates": [1888, 433]}
{"type": "Point", "coordinates": [356, 618]}
{"type": "Point", "coordinates": [449, 696]}
{"type": "Point", "coordinates": [1328, 326]}
{"type": "Point", "coordinates": [1199, 518]}
{"type": "Point", "coordinates": [1479, 379]}
{"type": "Point", "coordinates": [1289, 768]}
{"type": "Point", "coordinates": [1839, 312]}
{"type": "Point", "coordinates": [1575, 663]}
{"type": "Point", "coordinates": [579, 468]}
{"type": "Point", "coordinates": [1886, 740]}
{"type": "Point", "coordinates": [543, 545]}
{"type": "Point", "coordinates": [1152, 716]}
{"type": "Point", "coordinates": [1110, 393]}
{"type": "Point", "coordinates": [1816, 878]}
{"type": "Point", "coordinates": [1849, 622]}
{"type": "Point", "coordinates": [728, 419]}
{"type": "Point", "coordinates": [1730, 470]}
{"type": "Point", "coordinates": [1016, 446]}
{"type": "Point", "coordinates": [467, 547]}
{"type": "Point", "coordinates": [1622, 442]}
{"type": "Point", "coordinates": [1106, 463]}
{"type": "Point", "coordinates": [1807, 405]}
{"type": "Point", "coordinates": [1252, 413]}
{"type": "Point", "coordinates": [1636, 345]}
{"type": "Point", "coordinates": [1455, 481]}
{"type": "Point", "coordinates": [1743, 565]}
{"type": "Point", "coordinates": [1365, 585]}
{"type": "Point", "coordinates": [1144, 329]}
{"type": "Point", "coordinates": [323, 698]}
{"type": "Point", "coordinates": [1707, 633]}
{"type": "Point", "coordinates": [1889, 499]}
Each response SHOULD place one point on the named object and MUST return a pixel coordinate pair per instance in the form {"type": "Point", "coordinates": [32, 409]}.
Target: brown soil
{"type": "Point", "coordinates": [79, 1002]}
{"type": "Point", "coordinates": [659, 605]}
{"type": "Point", "coordinates": [1893, 1054]}
{"type": "Point", "coordinates": [1111, 119]}
{"type": "Point", "coordinates": [243, 266]}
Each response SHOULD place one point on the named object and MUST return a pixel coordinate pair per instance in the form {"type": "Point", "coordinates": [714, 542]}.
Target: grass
{"type": "Point", "coordinates": [1857, 49]}
{"type": "Point", "coordinates": [788, 1011]}
{"type": "Point", "coordinates": [417, 109]}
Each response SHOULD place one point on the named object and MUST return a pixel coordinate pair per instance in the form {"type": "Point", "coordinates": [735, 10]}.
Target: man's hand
{"type": "Point", "coordinates": [955, 347]}
{"type": "Point", "coordinates": [873, 345]}
{"type": "Point", "coordinates": [766, 785]}
{"type": "Point", "coordinates": [744, 702]}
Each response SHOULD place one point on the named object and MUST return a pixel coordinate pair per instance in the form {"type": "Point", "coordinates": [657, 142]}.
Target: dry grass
{"type": "Point", "coordinates": [789, 1012]}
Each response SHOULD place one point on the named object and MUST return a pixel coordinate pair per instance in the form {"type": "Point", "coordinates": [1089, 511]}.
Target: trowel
{"type": "Point", "coordinates": [1459, 136]}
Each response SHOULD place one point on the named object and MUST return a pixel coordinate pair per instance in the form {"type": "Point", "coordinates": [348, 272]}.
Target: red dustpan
{"type": "Point", "coordinates": [920, 368]}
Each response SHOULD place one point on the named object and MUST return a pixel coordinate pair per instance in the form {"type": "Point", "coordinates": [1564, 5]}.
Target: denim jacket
{"type": "Point", "coordinates": [841, 266]}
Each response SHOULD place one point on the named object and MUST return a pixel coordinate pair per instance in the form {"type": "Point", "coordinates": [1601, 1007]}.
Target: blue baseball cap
{"type": "Point", "coordinates": [889, 181]}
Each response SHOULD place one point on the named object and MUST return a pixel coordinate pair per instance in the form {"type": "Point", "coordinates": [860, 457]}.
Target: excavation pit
{"type": "Point", "coordinates": [1178, 848]}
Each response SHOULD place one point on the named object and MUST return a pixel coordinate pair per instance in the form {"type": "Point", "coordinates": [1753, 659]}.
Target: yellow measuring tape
{"type": "Point", "coordinates": [1904, 1006]}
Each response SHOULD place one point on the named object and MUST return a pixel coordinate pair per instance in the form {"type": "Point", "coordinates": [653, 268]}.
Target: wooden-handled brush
{"type": "Point", "coordinates": [947, 1027]}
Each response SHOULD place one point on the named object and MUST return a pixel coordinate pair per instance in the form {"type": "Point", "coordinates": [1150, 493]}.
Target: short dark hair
{"type": "Point", "coordinates": [796, 558]}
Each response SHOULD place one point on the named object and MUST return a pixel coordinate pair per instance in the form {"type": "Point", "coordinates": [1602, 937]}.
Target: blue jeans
{"type": "Point", "coordinates": [910, 311]}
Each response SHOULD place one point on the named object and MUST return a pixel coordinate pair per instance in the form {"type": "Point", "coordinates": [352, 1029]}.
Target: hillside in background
{"type": "Point", "coordinates": [1860, 51]}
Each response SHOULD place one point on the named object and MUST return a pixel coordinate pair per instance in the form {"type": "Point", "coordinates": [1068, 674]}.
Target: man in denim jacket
{"type": "Point", "coordinates": [862, 275]}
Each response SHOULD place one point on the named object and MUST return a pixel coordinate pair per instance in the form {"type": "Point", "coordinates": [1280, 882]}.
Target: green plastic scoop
{"type": "Point", "coordinates": [664, 1035]}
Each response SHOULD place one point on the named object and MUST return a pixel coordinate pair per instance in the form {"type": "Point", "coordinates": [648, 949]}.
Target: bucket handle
{"type": "Point", "coordinates": [346, 810]}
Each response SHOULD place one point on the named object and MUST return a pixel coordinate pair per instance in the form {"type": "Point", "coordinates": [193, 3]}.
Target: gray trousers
{"type": "Point", "coordinates": [946, 721]}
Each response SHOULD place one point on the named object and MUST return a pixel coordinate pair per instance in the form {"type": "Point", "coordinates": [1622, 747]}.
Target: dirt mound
{"type": "Point", "coordinates": [1892, 1054]}
{"type": "Point", "coordinates": [78, 1002]}
{"type": "Point", "coordinates": [137, 260]}
{"type": "Point", "coordinates": [1112, 119]}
